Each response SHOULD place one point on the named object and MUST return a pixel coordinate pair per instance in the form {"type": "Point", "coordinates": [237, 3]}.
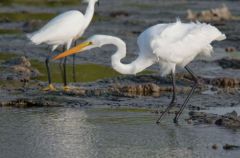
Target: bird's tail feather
{"type": "Point", "coordinates": [221, 38]}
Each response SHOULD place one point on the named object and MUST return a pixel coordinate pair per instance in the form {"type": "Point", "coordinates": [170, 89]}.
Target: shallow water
{"type": "Point", "coordinates": [90, 133]}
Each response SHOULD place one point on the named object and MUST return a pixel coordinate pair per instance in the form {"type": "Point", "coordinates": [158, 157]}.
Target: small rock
{"type": "Point", "coordinates": [219, 122]}
{"type": "Point", "coordinates": [233, 114]}
{"type": "Point", "coordinates": [21, 61]}
{"type": "Point", "coordinates": [230, 147]}
{"type": "Point", "coordinates": [215, 146]}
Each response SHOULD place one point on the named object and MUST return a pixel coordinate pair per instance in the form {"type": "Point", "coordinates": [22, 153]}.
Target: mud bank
{"type": "Point", "coordinates": [229, 120]}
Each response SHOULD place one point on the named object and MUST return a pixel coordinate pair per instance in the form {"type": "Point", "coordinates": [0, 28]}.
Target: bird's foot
{"type": "Point", "coordinates": [50, 87]}
{"type": "Point", "coordinates": [170, 106]}
{"type": "Point", "coordinates": [175, 120]}
{"type": "Point", "coordinates": [66, 88]}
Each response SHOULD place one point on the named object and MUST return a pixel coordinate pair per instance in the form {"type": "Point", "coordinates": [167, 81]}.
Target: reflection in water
{"type": "Point", "coordinates": [94, 133]}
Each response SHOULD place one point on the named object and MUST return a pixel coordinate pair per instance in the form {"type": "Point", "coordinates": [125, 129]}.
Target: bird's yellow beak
{"type": "Point", "coordinates": [73, 50]}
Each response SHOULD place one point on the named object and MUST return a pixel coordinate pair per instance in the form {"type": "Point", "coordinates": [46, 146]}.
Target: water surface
{"type": "Point", "coordinates": [96, 133]}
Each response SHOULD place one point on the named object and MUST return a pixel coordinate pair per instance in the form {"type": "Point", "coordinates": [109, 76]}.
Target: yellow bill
{"type": "Point", "coordinates": [73, 50]}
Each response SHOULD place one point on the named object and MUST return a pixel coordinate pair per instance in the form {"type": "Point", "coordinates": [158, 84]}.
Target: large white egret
{"type": "Point", "coordinates": [63, 30]}
{"type": "Point", "coordinates": [170, 45]}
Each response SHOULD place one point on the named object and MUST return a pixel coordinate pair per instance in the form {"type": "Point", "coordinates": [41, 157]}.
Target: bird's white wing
{"type": "Point", "coordinates": [60, 29]}
{"type": "Point", "coordinates": [179, 41]}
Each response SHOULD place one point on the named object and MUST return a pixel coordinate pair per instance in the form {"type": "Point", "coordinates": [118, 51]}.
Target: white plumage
{"type": "Point", "coordinates": [178, 44]}
{"type": "Point", "coordinates": [65, 28]}
{"type": "Point", "coordinates": [58, 31]}
{"type": "Point", "coordinates": [170, 45]}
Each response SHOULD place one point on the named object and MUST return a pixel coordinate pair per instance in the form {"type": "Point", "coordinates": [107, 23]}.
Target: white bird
{"type": "Point", "coordinates": [170, 45]}
{"type": "Point", "coordinates": [63, 30]}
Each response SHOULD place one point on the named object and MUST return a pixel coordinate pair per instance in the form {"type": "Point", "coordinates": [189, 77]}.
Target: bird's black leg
{"type": "Point", "coordinates": [65, 72]}
{"type": "Point", "coordinates": [173, 101]}
{"type": "Point", "coordinates": [48, 69]}
{"type": "Point", "coordinates": [50, 87]}
{"type": "Point", "coordinates": [196, 83]}
{"type": "Point", "coordinates": [74, 64]}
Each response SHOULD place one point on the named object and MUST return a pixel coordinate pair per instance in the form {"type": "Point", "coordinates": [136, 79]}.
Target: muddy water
{"type": "Point", "coordinates": [96, 133]}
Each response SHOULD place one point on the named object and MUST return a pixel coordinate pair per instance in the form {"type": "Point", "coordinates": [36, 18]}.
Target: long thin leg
{"type": "Point", "coordinates": [196, 83]}
{"type": "Point", "coordinates": [50, 87]}
{"type": "Point", "coordinates": [48, 69]}
{"type": "Point", "coordinates": [173, 101]}
{"type": "Point", "coordinates": [74, 65]}
{"type": "Point", "coordinates": [65, 72]}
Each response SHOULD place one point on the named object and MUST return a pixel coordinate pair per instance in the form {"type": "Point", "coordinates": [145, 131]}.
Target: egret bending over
{"type": "Point", "coordinates": [63, 30]}
{"type": "Point", "coordinates": [170, 45]}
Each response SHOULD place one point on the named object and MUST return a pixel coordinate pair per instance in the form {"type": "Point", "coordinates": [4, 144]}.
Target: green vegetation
{"type": "Point", "coordinates": [6, 56]}
{"type": "Point", "coordinates": [84, 72]}
{"type": "Point", "coordinates": [9, 31]}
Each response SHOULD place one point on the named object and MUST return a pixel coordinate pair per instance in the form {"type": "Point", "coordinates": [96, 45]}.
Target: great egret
{"type": "Point", "coordinates": [63, 30]}
{"type": "Point", "coordinates": [170, 45]}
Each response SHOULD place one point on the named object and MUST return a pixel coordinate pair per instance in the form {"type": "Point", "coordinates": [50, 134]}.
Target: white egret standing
{"type": "Point", "coordinates": [63, 30]}
{"type": "Point", "coordinates": [170, 45]}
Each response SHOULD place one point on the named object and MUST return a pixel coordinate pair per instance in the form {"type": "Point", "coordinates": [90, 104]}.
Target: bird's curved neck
{"type": "Point", "coordinates": [89, 13]}
{"type": "Point", "coordinates": [132, 68]}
